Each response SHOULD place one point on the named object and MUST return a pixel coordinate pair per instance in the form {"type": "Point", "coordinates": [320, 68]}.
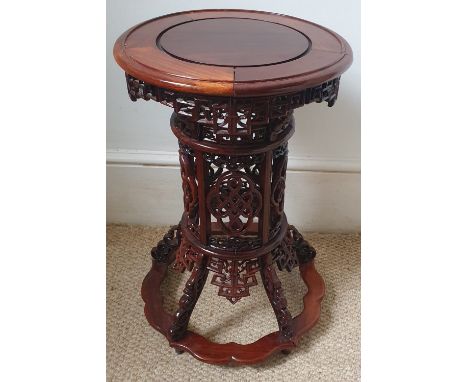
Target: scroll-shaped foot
{"type": "Point", "coordinates": [293, 250]}
{"type": "Point", "coordinates": [192, 291]}
{"type": "Point", "coordinates": [164, 252]}
{"type": "Point", "coordinates": [275, 294]}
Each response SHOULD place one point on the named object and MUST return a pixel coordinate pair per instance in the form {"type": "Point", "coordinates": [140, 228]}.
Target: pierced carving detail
{"type": "Point", "coordinates": [280, 151]}
{"type": "Point", "coordinates": [192, 291]}
{"type": "Point", "coordinates": [189, 187]}
{"type": "Point", "coordinates": [233, 277]}
{"type": "Point", "coordinates": [293, 250]}
{"type": "Point", "coordinates": [268, 132]}
{"type": "Point", "coordinates": [278, 186]}
{"type": "Point", "coordinates": [304, 251]}
{"type": "Point", "coordinates": [167, 245]}
{"type": "Point", "coordinates": [231, 116]}
{"type": "Point", "coordinates": [186, 257]}
{"type": "Point", "coordinates": [235, 243]}
{"type": "Point", "coordinates": [237, 116]}
{"type": "Point", "coordinates": [250, 164]}
{"type": "Point", "coordinates": [234, 201]}
{"type": "Point", "coordinates": [282, 125]}
{"type": "Point", "coordinates": [275, 294]}
{"type": "Point", "coordinates": [186, 149]}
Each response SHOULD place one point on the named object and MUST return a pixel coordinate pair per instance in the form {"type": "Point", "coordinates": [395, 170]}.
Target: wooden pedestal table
{"type": "Point", "coordinates": [233, 79]}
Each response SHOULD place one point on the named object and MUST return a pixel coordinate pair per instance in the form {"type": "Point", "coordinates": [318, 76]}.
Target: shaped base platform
{"type": "Point", "coordinates": [232, 353]}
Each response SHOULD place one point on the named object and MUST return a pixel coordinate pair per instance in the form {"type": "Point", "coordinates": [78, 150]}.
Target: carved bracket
{"type": "Point", "coordinates": [186, 257]}
{"type": "Point", "coordinates": [166, 247]}
{"type": "Point", "coordinates": [293, 251]}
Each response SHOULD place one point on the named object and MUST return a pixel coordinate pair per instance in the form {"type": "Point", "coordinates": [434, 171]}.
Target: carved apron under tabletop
{"type": "Point", "coordinates": [233, 116]}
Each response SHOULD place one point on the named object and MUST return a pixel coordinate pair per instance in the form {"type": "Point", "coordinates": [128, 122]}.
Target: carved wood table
{"type": "Point", "coordinates": [233, 79]}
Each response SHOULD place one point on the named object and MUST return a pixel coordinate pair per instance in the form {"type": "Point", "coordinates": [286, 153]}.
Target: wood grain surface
{"type": "Point", "coordinates": [232, 53]}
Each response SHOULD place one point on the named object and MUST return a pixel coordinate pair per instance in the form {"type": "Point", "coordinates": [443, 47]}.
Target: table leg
{"type": "Point", "coordinates": [187, 302]}
{"type": "Point", "coordinates": [275, 294]}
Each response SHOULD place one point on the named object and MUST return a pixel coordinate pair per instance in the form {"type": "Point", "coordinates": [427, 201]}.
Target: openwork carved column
{"type": "Point", "coordinates": [233, 160]}
{"type": "Point", "coordinates": [233, 157]}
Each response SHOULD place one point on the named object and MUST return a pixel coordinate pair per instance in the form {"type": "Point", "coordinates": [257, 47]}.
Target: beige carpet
{"type": "Point", "coordinates": [136, 352]}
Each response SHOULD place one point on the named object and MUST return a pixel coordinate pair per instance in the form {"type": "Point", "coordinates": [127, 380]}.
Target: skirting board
{"type": "Point", "coordinates": [169, 158]}
{"type": "Point", "coordinates": [152, 195]}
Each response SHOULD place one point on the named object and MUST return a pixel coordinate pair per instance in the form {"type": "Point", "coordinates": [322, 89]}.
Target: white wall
{"type": "Point", "coordinates": [326, 144]}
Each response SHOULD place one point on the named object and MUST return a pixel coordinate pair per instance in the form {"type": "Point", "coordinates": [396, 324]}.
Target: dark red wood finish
{"type": "Point", "coordinates": [233, 79]}
{"type": "Point", "coordinates": [216, 42]}
{"type": "Point", "coordinates": [236, 61]}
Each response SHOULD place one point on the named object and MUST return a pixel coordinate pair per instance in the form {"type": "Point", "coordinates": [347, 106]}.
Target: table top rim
{"type": "Point", "coordinates": [157, 67]}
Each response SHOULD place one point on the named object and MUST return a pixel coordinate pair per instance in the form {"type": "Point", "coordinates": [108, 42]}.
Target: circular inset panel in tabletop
{"type": "Point", "coordinates": [233, 42]}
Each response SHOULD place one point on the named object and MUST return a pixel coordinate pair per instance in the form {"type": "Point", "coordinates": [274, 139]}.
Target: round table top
{"type": "Point", "coordinates": [232, 53]}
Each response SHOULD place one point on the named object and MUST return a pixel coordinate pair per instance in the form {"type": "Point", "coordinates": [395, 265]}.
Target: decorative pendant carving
{"type": "Point", "coordinates": [233, 277]}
